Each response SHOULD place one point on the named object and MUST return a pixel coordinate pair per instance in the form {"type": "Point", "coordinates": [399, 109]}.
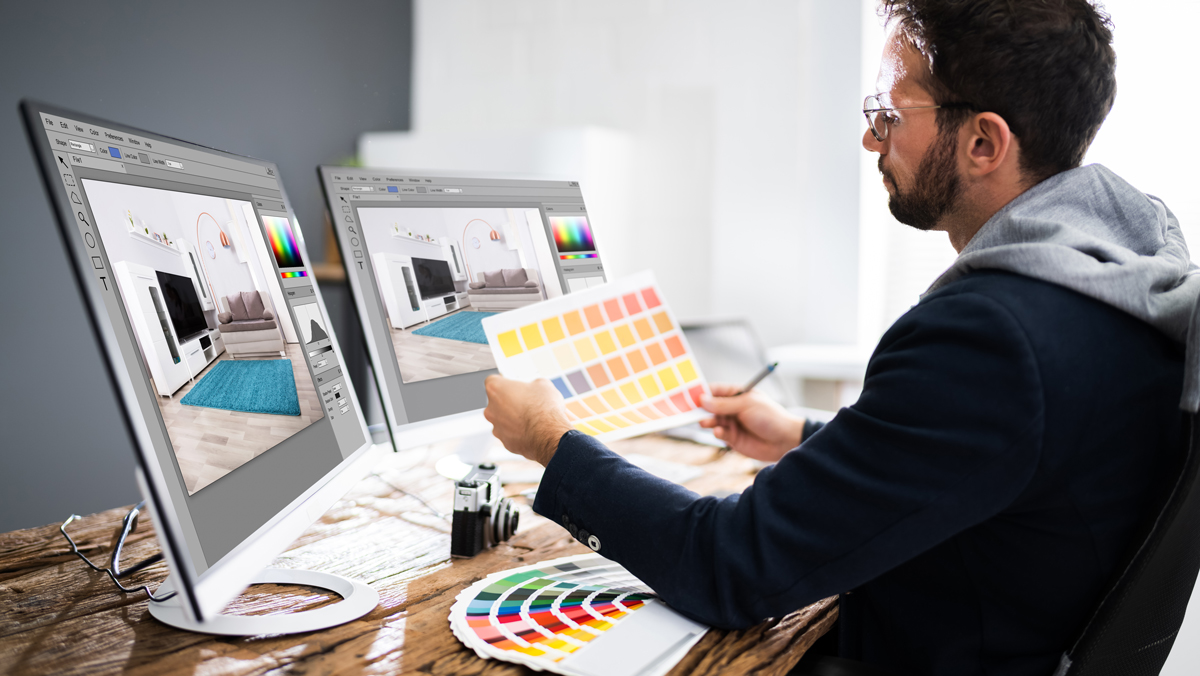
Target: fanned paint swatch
{"type": "Point", "coordinates": [579, 615]}
{"type": "Point", "coordinates": [615, 352]}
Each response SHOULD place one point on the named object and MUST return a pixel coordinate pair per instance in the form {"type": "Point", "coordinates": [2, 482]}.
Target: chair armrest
{"type": "Point", "coordinates": [267, 314]}
{"type": "Point", "coordinates": [531, 284]}
{"type": "Point", "coordinates": [225, 317]}
{"type": "Point", "coordinates": [476, 285]}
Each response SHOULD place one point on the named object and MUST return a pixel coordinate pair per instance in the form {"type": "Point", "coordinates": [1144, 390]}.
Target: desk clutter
{"type": "Point", "coordinates": [577, 615]}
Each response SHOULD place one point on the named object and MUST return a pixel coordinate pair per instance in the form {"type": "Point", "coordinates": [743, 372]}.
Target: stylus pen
{"type": "Point", "coordinates": [758, 378]}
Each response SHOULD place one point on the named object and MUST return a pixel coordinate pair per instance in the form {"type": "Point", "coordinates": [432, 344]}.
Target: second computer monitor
{"type": "Point", "coordinates": [428, 258]}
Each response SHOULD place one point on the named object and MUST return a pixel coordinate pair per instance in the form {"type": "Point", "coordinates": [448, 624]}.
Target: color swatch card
{"type": "Point", "coordinates": [579, 615]}
{"type": "Point", "coordinates": [615, 352]}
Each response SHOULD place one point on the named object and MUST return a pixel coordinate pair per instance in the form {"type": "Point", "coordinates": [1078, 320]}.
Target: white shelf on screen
{"type": "Point", "coordinates": [401, 235]}
{"type": "Point", "coordinates": [149, 239]}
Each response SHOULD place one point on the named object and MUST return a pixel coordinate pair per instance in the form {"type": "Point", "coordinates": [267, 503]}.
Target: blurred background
{"type": "Point", "coordinates": [717, 143]}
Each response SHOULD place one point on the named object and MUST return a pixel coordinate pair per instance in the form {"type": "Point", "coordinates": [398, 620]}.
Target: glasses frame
{"type": "Point", "coordinates": [869, 112]}
{"type": "Point", "coordinates": [114, 570]}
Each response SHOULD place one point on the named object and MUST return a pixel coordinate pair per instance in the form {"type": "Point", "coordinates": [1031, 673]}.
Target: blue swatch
{"type": "Point", "coordinates": [562, 387]}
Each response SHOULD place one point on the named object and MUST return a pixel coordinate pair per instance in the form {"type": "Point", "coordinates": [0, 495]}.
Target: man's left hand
{"type": "Point", "coordinates": [528, 418]}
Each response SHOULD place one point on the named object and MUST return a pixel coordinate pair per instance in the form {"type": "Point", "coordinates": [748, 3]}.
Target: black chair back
{"type": "Point", "coordinates": [1133, 629]}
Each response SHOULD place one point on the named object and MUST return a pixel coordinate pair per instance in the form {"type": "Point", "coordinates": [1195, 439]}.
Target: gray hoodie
{"type": "Point", "coordinates": [1089, 231]}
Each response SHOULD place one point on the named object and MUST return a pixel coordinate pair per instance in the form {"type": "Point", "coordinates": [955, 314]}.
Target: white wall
{"type": "Point", "coordinates": [733, 129]}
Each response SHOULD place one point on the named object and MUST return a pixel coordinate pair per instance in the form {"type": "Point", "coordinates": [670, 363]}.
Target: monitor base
{"type": "Point", "coordinates": [358, 599]}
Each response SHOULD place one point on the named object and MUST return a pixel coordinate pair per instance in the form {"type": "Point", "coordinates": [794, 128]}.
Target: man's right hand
{"type": "Point", "coordinates": [751, 423]}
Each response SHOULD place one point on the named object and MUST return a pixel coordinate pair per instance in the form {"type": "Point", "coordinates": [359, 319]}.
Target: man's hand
{"type": "Point", "coordinates": [528, 418]}
{"type": "Point", "coordinates": [751, 423]}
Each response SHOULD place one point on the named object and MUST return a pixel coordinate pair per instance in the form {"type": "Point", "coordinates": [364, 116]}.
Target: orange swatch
{"type": "Point", "coordinates": [594, 318]}
{"type": "Point", "coordinates": [618, 368]}
{"type": "Point", "coordinates": [675, 346]}
{"type": "Point", "coordinates": [655, 351]}
{"type": "Point", "coordinates": [599, 377]}
{"type": "Point", "coordinates": [574, 322]}
{"type": "Point", "coordinates": [636, 361]}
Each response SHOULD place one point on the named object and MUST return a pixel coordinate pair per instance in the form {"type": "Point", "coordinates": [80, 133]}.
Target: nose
{"type": "Point", "coordinates": [869, 142]}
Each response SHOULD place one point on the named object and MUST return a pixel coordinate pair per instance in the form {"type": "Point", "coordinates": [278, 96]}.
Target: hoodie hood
{"type": "Point", "coordinates": [1090, 231]}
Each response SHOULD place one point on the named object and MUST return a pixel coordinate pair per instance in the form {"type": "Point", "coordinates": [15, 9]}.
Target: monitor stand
{"type": "Point", "coordinates": [358, 599]}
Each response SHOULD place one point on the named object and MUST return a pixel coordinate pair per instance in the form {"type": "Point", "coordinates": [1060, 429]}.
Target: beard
{"type": "Point", "coordinates": [934, 192]}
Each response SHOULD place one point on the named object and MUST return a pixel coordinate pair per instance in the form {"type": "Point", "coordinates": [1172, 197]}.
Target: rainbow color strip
{"type": "Point", "coordinates": [572, 233]}
{"type": "Point", "coordinates": [551, 612]}
{"type": "Point", "coordinates": [570, 257]}
{"type": "Point", "coordinates": [289, 275]}
{"type": "Point", "coordinates": [283, 242]}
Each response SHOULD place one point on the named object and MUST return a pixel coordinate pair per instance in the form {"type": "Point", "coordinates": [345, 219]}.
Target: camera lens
{"type": "Point", "coordinates": [504, 523]}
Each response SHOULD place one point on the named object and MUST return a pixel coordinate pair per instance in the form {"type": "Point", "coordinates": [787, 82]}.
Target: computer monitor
{"type": "Point", "coordinates": [195, 276]}
{"type": "Point", "coordinates": [428, 257]}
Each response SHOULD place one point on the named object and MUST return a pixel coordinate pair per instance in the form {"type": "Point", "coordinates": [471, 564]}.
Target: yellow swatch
{"type": "Point", "coordinates": [631, 393]}
{"type": "Point", "coordinates": [566, 356]}
{"type": "Point", "coordinates": [593, 402]}
{"type": "Point", "coordinates": [585, 429]}
{"type": "Point", "coordinates": [687, 370]}
{"type": "Point", "coordinates": [586, 351]}
{"type": "Point", "coordinates": [532, 336]}
{"type": "Point", "coordinates": [663, 322]}
{"type": "Point", "coordinates": [612, 398]}
{"type": "Point", "coordinates": [601, 425]}
{"type": "Point", "coordinates": [624, 335]}
{"type": "Point", "coordinates": [668, 378]}
{"type": "Point", "coordinates": [554, 330]}
{"type": "Point", "coordinates": [649, 386]}
{"type": "Point", "coordinates": [605, 341]}
{"type": "Point", "coordinates": [616, 420]}
{"type": "Point", "coordinates": [509, 344]}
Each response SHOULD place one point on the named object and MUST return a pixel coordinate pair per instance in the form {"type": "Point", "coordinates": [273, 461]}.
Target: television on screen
{"type": "Point", "coordinates": [179, 295]}
{"type": "Point", "coordinates": [433, 277]}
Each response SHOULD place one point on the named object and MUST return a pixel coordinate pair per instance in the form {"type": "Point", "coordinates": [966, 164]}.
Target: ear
{"type": "Point", "coordinates": [990, 144]}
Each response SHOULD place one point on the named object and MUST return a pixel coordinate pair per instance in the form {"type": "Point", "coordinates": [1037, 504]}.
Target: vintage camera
{"type": "Point", "coordinates": [482, 515]}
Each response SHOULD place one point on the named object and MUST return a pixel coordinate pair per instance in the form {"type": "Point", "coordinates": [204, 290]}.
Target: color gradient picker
{"type": "Point", "coordinates": [615, 352]}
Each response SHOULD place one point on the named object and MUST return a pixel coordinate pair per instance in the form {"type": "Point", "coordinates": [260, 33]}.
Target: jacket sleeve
{"type": "Point", "coordinates": [947, 432]}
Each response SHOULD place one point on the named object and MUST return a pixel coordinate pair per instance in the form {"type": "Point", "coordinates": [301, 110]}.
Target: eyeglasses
{"type": "Point", "coordinates": [878, 118]}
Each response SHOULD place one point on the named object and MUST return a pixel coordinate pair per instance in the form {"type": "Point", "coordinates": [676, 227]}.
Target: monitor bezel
{"type": "Point", "coordinates": [407, 435]}
{"type": "Point", "coordinates": [205, 593]}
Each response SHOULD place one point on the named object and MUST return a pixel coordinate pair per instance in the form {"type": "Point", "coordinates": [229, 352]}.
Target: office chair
{"type": "Point", "coordinates": [1135, 625]}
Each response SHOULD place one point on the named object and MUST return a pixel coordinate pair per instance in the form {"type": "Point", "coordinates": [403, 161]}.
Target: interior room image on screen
{"type": "Point", "coordinates": [441, 270]}
{"type": "Point", "coordinates": [211, 322]}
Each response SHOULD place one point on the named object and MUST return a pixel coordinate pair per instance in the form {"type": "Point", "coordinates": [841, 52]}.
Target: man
{"type": "Point", "coordinates": [1014, 426]}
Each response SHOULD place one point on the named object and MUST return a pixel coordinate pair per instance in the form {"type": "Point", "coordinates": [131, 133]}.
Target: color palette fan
{"type": "Point", "coordinates": [578, 615]}
{"type": "Point", "coordinates": [615, 352]}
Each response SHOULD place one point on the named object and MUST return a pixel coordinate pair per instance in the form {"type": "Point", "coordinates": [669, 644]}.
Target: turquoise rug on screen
{"type": "Point", "coordinates": [254, 386]}
{"type": "Point", "coordinates": [465, 326]}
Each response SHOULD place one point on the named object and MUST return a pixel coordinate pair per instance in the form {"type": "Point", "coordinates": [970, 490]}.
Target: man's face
{"type": "Point", "coordinates": [919, 165]}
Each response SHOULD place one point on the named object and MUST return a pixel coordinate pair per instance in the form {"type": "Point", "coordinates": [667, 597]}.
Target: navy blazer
{"type": "Point", "coordinates": [970, 508]}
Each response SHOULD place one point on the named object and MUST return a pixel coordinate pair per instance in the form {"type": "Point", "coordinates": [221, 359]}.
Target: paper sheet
{"type": "Point", "coordinates": [615, 352]}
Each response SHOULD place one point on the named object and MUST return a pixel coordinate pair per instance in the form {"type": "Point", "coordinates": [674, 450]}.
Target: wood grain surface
{"type": "Point", "coordinates": [57, 616]}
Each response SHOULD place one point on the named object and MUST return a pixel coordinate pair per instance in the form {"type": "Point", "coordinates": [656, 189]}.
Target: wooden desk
{"type": "Point", "coordinates": [57, 616]}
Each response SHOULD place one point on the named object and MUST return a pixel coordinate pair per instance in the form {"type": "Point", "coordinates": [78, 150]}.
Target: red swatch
{"type": "Point", "coordinates": [651, 298]}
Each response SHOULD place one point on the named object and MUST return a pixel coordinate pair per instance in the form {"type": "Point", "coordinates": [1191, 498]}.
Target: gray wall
{"type": "Point", "coordinates": [292, 82]}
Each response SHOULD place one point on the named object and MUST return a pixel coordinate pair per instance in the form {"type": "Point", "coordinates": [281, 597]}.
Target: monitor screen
{"type": "Point", "coordinates": [183, 305]}
{"type": "Point", "coordinates": [429, 257]}
{"type": "Point", "coordinates": [194, 269]}
{"type": "Point", "coordinates": [433, 277]}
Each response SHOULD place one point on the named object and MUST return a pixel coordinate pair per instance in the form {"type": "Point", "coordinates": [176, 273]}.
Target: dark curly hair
{"type": "Point", "coordinates": [1046, 66]}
